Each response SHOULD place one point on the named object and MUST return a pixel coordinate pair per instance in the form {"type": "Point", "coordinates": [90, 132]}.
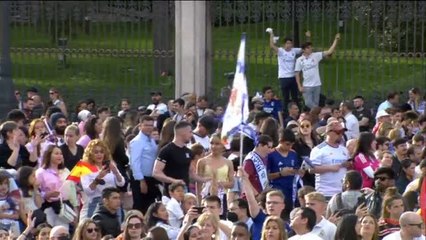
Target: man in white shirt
{"type": "Point", "coordinates": [391, 102]}
{"type": "Point", "coordinates": [412, 227]}
{"type": "Point", "coordinates": [330, 160]}
{"type": "Point", "coordinates": [286, 59]}
{"type": "Point", "coordinates": [157, 107]}
{"type": "Point", "coordinates": [205, 126]}
{"type": "Point", "coordinates": [323, 228]}
{"type": "Point", "coordinates": [303, 222]}
{"type": "Point", "coordinates": [308, 65]}
{"type": "Point", "coordinates": [352, 123]}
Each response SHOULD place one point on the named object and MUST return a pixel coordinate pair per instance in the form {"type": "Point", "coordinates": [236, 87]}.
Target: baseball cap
{"type": "Point", "coordinates": [257, 99]}
{"type": "Point", "coordinates": [381, 113]}
{"type": "Point", "coordinates": [335, 126]}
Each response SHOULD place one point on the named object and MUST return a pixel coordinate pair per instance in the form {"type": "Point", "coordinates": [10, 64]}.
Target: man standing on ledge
{"type": "Point", "coordinates": [308, 64]}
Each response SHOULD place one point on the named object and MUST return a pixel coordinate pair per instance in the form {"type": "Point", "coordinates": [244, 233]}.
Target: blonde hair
{"type": "Point", "coordinates": [316, 196]}
{"type": "Point", "coordinates": [279, 222]}
{"type": "Point", "coordinates": [74, 128]}
{"type": "Point", "coordinates": [34, 122]}
{"type": "Point", "coordinates": [203, 218]}
{"type": "Point", "coordinates": [88, 152]}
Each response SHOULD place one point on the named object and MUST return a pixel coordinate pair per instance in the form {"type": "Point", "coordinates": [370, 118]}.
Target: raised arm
{"type": "Point", "coordinates": [333, 46]}
{"type": "Point", "coordinates": [248, 190]}
{"type": "Point", "coordinates": [271, 41]}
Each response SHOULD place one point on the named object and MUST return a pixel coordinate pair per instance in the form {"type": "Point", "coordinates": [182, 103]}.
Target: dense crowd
{"type": "Point", "coordinates": [163, 171]}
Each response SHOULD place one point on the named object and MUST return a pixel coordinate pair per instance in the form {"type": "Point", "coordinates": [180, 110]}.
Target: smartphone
{"type": "Point", "coordinates": [199, 209]}
{"type": "Point", "coordinates": [43, 135]}
{"type": "Point", "coordinates": [106, 164]}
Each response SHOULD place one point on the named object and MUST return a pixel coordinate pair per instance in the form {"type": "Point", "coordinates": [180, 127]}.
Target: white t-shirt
{"type": "Point", "coordinates": [204, 141]}
{"type": "Point", "coordinates": [325, 229]}
{"type": "Point", "coordinates": [175, 213]}
{"type": "Point", "coordinates": [161, 108]}
{"type": "Point", "coordinates": [309, 67]}
{"type": "Point", "coordinates": [397, 236]}
{"type": "Point", "coordinates": [286, 61]}
{"type": "Point", "coordinates": [352, 125]}
{"type": "Point", "coordinates": [329, 183]}
{"type": "Point", "coordinates": [306, 236]}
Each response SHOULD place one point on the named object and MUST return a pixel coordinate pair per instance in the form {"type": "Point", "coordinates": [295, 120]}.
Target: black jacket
{"type": "Point", "coordinates": [106, 221]}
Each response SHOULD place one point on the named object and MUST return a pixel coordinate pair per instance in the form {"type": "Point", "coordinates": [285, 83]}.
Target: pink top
{"type": "Point", "coordinates": [50, 180]}
{"type": "Point", "coordinates": [362, 162]}
{"type": "Point", "coordinates": [84, 141]}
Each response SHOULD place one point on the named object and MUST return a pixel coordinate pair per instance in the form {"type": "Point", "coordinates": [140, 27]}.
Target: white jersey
{"type": "Point", "coordinates": [310, 69]}
{"type": "Point", "coordinates": [286, 62]}
{"type": "Point", "coordinates": [329, 183]}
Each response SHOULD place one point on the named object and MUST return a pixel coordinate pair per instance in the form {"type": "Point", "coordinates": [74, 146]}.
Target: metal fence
{"type": "Point", "coordinates": [105, 50]}
{"type": "Point", "coordinates": [382, 47]}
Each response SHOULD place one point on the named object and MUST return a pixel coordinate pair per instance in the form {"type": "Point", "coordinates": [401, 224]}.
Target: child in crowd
{"type": "Point", "coordinates": [174, 206]}
{"type": "Point", "coordinates": [9, 209]}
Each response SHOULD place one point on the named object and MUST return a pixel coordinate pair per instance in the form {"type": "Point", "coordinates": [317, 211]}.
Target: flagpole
{"type": "Point", "coordinates": [242, 111]}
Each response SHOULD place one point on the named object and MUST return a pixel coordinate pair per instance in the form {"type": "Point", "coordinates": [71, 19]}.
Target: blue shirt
{"type": "Point", "coordinates": [276, 162]}
{"type": "Point", "coordinates": [143, 152]}
{"type": "Point", "coordinates": [272, 107]}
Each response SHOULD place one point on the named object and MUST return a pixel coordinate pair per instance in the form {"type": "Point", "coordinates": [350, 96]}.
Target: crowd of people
{"type": "Point", "coordinates": [331, 171]}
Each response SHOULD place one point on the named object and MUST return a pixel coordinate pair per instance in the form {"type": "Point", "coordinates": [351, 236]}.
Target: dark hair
{"type": "Point", "coordinates": [306, 45]}
{"type": "Point", "coordinates": [7, 127]}
{"type": "Point", "coordinates": [399, 141]}
{"type": "Point", "coordinates": [174, 186]}
{"type": "Point", "coordinates": [309, 214]}
{"type": "Point", "coordinates": [4, 175]}
{"type": "Point", "coordinates": [125, 100]}
{"type": "Point", "coordinates": [243, 225]}
{"type": "Point", "coordinates": [392, 95]}
{"type": "Point", "coordinates": [182, 124]}
{"type": "Point", "coordinates": [47, 157]}
{"type": "Point", "coordinates": [235, 144]}
{"type": "Point", "coordinates": [286, 39]}
{"type": "Point", "coordinates": [348, 104]}
{"type": "Point", "coordinates": [112, 134]}
{"type": "Point", "coordinates": [15, 115]}
{"type": "Point", "coordinates": [363, 144]}
{"type": "Point", "coordinates": [354, 179]}
{"type": "Point", "coordinates": [286, 135]}
{"type": "Point", "coordinates": [188, 232]}
{"type": "Point", "coordinates": [146, 118]}
{"type": "Point", "coordinates": [107, 192]}
{"type": "Point", "coordinates": [179, 101]}
{"type": "Point", "coordinates": [291, 104]}
{"type": "Point", "coordinates": [358, 97]}
{"type": "Point", "coordinates": [159, 233]}
{"type": "Point", "coordinates": [213, 198]}
{"type": "Point", "coordinates": [243, 204]}
{"type": "Point", "coordinates": [150, 219]}
{"type": "Point", "coordinates": [102, 109]}
{"type": "Point", "coordinates": [264, 140]}
{"type": "Point", "coordinates": [384, 170]}
{"type": "Point", "coordinates": [51, 110]}
{"type": "Point", "coordinates": [90, 127]}
{"type": "Point", "coordinates": [260, 116]}
{"type": "Point", "coordinates": [270, 127]}
{"type": "Point", "coordinates": [406, 163]}
{"type": "Point", "coordinates": [24, 174]}
{"type": "Point", "coordinates": [381, 140]}
{"type": "Point", "coordinates": [266, 88]}
{"type": "Point", "coordinates": [346, 228]}
{"type": "Point", "coordinates": [418, 138]}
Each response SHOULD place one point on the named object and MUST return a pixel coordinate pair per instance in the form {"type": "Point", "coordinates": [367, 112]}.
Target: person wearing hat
{"type": "Point", "coordinates": [330, 160]}
{"type": "Point", "coordinates": [257, 103]}
{"type": "Point", "coordinates": [381, 117]}
{"type": "Point", "coordinates": [59, 122]}
{"type": "Point", "coordinates": [157, 107]}
{"type": "Point", "coordinates": [383, 178]}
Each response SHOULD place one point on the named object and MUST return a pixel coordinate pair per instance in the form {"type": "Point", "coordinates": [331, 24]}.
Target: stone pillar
{"type": "Point", "coordinates": [190, 47]}
{"type": "Point", "coordinates": [7, 96]}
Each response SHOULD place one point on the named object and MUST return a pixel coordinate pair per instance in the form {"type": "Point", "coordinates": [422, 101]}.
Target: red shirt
{"type": "Point", "coordinates": [362, 161]}
{"type": "Point", "coordinates": [251, 171]}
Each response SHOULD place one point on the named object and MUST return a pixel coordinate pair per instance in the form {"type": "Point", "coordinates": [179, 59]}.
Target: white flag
{"type": "Point", "coordinates": [237, 111]}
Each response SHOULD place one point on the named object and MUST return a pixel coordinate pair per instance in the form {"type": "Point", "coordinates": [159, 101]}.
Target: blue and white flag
{"type": "Point", "coordinates": [237, 111]}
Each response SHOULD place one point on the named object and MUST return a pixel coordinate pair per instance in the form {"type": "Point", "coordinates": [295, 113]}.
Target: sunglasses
{"type": "Point", "coordinates": [134, 225]}
{"type": "Point", "coordinates": [381, 178]}
{"type": "Point", "coordinates": [90, 230]}
{"type": "Point", "coordinates": [305, 126]}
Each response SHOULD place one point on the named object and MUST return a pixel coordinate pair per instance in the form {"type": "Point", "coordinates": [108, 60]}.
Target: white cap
{"type": "Point", "coordinates": [84, 114]}
{"type": "Point", "coordinates": [381, 113]}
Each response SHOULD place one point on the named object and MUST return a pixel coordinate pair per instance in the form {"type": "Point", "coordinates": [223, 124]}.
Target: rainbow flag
{"type": "Point", "coordinates": [81, 169]}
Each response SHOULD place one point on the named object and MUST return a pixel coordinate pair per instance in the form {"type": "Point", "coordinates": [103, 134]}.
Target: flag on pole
{"type": "Point", "coordinates": [237, 110]}
{"type": "Point", "coordinates": [81, 169]}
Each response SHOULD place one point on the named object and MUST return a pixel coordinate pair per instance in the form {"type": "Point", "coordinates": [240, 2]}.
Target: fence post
{"type": "Point", "coordinates": [7, 99]}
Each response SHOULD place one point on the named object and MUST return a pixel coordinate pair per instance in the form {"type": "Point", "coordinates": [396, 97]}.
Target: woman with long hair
{"type": "Point", "coordinates": [364, 160]}
{"type": "Point", "coordinates": [37, 134]}
{"type": "Point", "coordinates": [87, 230]}
{"type": "Point", "coordinates": [157, 215]}
{"type": "Point", "coordinates": [167, 133]}
{"type": "Point", "coordinates": [348, 228]}
{"type": "Point", "coordinates": [416, 100]}
{"type": "Point", "coordinates": [406, 175]}
{"type": "Point", "coordinates": [31, 197]}
{"type": "Point", "coordinates": [133, 228]}
{"type": "Point", "coordinates": [210, 226]}
{"type": "Point", "coordinates": [270, 127]}
{"type": "Point", "coordinates": [92, 129]}
{"type": "Point", "coordinates": [217, 168]}
{"type": "Point", "coordinates": [273, 229]}
{"type": "Point", "coordinates": [306, 140]}
{"type": "Point", "coordinates": [56, 100]}
{"type": "Point", "coordinates": [71, 150]}
{"type": "Point", "coordinates": [369, 228]}
{"type": "Point", "coordinates": [54, 187]}
{"type": "Point", "coordinates": [392, 208]}
{"type": "Point", "coordinates": [104, 173]}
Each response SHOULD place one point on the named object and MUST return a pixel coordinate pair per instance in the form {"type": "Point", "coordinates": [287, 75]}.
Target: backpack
{"type": "Point", "coordinates": [341, 210]}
